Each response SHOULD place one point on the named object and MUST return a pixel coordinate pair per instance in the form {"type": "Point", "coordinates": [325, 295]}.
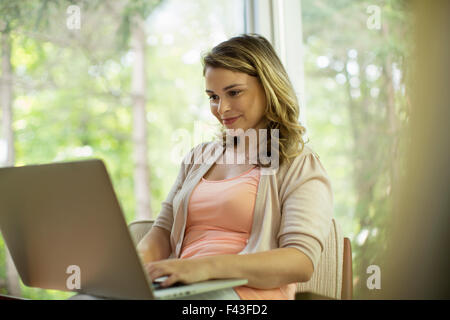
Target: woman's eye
{"type": "Point", "coordinates": [232, 93]}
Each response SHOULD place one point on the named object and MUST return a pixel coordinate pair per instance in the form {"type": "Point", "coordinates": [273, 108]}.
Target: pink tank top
{"type": "Point", "coordinates": [219, 221]}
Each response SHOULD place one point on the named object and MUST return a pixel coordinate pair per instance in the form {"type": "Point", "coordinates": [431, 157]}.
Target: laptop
{"type": "Point", "coordinates": [65, 230]}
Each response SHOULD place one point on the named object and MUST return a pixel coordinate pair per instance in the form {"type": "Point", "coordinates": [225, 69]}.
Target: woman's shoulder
{"type": "Point", "coordinates": [306, 153]}
{"type": "Point", "coordinates": [307, 150]}
{"type": "Point", "coordinates": [305, 166]}
{"type": "Point", "coordinates": [199, 153]}
{"type": "Point", "coordinates": [306, 161]}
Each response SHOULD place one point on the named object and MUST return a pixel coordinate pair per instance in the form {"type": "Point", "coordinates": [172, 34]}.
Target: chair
{"type": "Point", "coordinates": [331, 280]}
{"type": "Point", "coordinates": [333, 275]}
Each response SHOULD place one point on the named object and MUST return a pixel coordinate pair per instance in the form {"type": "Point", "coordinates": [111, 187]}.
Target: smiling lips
{"type": "Point", "coordinates": [230, 120]}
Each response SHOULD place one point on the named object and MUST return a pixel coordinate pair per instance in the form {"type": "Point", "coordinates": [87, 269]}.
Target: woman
{"type": "Point", "coordinates": [224, 219]}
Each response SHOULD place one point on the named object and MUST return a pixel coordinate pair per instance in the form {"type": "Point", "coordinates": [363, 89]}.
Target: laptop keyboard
{"type": "Point", "coordinates": [156, 283]}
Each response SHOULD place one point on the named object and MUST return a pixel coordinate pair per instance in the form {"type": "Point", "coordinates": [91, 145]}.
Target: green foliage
{"type": "Point", "coordinates": [355, 102]}
{"type": "Point", "coordinates": [72, 92]}
{"type": "Point", "coordinates": [133, 8]}
{"type": "Point", "coordinates": [44, 294]}
{"type": "Point", "coordinates": [72, 98]}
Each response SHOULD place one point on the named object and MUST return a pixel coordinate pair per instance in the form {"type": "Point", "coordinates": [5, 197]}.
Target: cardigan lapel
{"type": "Point", "coordinates": [182, 207]}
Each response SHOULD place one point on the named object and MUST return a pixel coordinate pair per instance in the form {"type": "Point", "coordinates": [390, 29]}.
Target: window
{"type": "Point", "coordinates": [75, 87]}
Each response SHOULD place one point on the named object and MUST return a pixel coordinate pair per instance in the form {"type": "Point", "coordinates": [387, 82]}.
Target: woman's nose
{"type": "Point", "coordinates": [224, 106]}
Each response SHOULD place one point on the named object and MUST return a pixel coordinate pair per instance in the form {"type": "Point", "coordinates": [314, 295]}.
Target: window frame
{"type": "Point", "coordinates": [280, 22]}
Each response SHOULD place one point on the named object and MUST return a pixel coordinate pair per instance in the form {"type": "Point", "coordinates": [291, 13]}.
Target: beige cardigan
{"type": "Point", "coordinates": [293, 208]}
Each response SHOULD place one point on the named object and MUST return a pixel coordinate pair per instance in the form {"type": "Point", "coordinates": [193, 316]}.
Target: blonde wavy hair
{"type": "Point", "coordinates": [254, 55]}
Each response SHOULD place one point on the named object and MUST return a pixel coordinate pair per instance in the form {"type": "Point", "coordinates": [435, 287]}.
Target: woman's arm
{"type": "Point", "coordinates": [155, 245]}
{"type": "Point", "coordinates": [264, 270]}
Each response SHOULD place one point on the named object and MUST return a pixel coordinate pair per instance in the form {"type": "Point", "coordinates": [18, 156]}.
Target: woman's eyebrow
{"type": "Point", "coordinates": [227, 87]}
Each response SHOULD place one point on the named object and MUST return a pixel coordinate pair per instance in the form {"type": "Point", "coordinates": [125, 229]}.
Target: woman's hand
{"type": "Point", "coordinates": [179, 270]}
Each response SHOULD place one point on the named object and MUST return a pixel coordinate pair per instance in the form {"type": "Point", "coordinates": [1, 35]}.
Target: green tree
{"type": "Point", "coordinates": [357, 107]}
{"type": "Point", "coordinates": [72, 89]}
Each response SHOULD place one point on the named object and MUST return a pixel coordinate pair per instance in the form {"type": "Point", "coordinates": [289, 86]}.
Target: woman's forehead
{"type": "Point", "coordinates": [224, 73]}
{"type": "Point", "coordinates": [220, 79]}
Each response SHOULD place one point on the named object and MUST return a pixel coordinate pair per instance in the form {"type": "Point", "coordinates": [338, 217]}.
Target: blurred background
{"type": "Point", "coordinates": [122, 81]}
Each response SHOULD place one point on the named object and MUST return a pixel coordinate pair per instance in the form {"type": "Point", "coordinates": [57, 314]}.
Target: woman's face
{"type": "Point", "coordinates": [236, 94]}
